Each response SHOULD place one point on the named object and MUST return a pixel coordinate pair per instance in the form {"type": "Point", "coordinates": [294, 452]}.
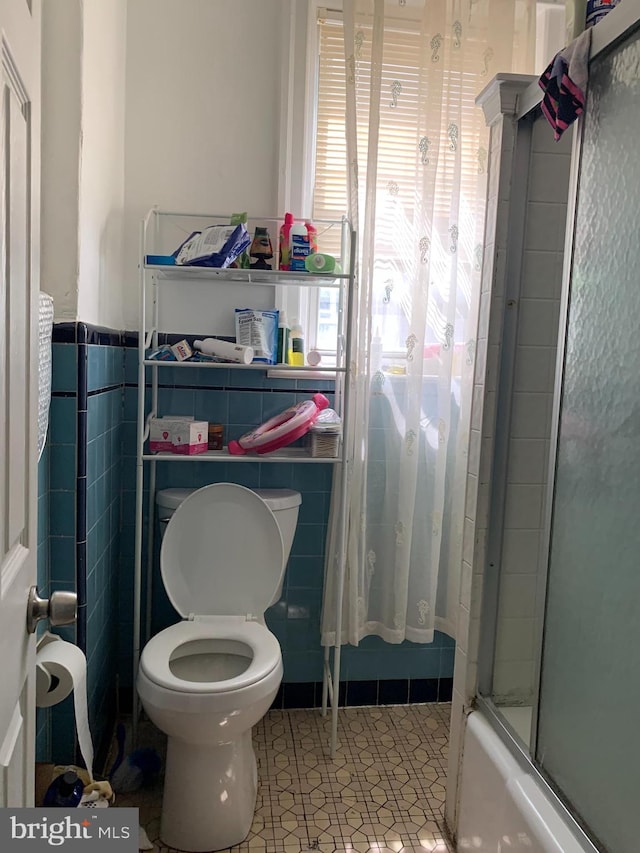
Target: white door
{"type": "Point", "coordinates": [19, 285]}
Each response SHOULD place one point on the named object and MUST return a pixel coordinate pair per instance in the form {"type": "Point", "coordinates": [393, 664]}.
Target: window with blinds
{"type": "Point", "coordinates": [419, 99]}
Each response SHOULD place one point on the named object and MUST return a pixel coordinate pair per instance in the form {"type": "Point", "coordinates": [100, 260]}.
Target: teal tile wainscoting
{"type": "Point", "coordinates": [79, 527]}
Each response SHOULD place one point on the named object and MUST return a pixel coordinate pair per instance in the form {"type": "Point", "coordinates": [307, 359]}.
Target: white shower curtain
{"type": "Point", "coordinates": [417, 165]}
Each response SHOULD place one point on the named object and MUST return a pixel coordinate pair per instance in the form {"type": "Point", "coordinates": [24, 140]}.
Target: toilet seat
{"type": "Point", "coordinates": [262, 644]}
{"type": "Point", "coordinates": [222, 553]}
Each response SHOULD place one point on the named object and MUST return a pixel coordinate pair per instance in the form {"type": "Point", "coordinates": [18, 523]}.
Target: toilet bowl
{"type": "Point", "coordinates": [209, 679]}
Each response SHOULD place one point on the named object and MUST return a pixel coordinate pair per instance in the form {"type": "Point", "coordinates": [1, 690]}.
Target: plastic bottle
{"type": "Point", "coordinates": [285, 242]}
{"type": "Point", "coordinates": [283, 339]}
{"type": "Point", "coordinates": [318, 262]}
{"type": "Point", "coordinates": [296, 339]}
{"type": "Point", "coordinates": [65, 791]}
{"type": "Point", "coordinates": [225, 349]}
{"type": "Point", "coordinates": [299, 246]}
{"type": "Point", "coordinates": [312, 233]}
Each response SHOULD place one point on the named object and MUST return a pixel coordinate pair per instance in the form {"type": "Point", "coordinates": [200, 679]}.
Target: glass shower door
{"type": "Point", "coordinates": [588, 737]}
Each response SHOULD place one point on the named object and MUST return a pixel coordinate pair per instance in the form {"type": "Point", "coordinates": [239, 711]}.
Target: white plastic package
{"type": "Point", "coordinates": [259, 330]}
{"type": "Point", "coordinates": [216, 246]}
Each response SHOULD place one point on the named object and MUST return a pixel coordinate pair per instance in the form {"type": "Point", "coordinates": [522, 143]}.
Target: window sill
{"type": "Point", "coordinates": [302, 373]}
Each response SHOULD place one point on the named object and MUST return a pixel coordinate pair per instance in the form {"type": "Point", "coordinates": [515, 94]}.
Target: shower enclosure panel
{"type": "Point", "coordinates": [587, 739]}
{"type": "Point", "coordinates": [580, 763]}
{"type": "Point", "coordinates": [523, 333]}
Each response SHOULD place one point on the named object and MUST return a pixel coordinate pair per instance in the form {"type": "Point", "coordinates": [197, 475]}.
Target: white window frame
{"type": "Point", "coordinates": [299, 86]}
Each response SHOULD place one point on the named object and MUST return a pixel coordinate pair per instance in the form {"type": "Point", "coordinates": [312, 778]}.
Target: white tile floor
{"type": "Point", "coordinates": [383, 793]}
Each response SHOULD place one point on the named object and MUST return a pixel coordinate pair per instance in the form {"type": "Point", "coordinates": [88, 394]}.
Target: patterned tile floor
{"type": "Point", "coordinates": [383, 793]}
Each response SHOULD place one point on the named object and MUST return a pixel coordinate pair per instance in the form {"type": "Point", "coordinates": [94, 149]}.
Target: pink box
{"type": "Point", "coordinates": [161, 430]}
{"type": "Point", "coordinates": [189, 437]}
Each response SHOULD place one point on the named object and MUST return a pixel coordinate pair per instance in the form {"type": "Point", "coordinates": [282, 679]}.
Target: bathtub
{"type": "Point", "coordinates": [502, 806]}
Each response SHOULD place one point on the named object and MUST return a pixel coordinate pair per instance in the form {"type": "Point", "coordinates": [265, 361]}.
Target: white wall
{"type": "Point", "coordinates": [101, 168]}
{"type": "Point", "coordinates": [202, 113]}
{"type": "Point", "coordinates": [61, 86]}
{"type": "Point", "coordinates": [83, 77]}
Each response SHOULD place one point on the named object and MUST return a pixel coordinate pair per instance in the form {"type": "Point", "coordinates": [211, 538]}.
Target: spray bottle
{"type": "Point", "coordinates": [312, 233]}
{"type": "Point", "coordinates": [285, 242]}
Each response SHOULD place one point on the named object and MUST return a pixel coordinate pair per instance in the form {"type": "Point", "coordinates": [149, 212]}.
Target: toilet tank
{"type": "Point", "coordinates": [283, 503]}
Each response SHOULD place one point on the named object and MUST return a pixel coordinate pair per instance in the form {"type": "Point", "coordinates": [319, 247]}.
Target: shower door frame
{"type": "Point", "coordinates": [618, 25]}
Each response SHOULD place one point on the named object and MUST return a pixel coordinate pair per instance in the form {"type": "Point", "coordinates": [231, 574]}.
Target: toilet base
{"type": "Point", "coordinates": [209, 794]}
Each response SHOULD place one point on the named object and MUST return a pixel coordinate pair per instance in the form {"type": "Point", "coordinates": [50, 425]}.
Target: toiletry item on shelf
{"type": "Point", "coordinates": [225, 350]}
{"type": "Point", "coordinates": [160, 260]}
{"type": "Point", "coordinates": [161, 432]}
{"type": "Point", "coordinates": [65, 791]}
{"type": "Point", "coordinates": [284, 262]}
{"type": "Point", "coordinates": [280, 430]}
{"type": "Point", "coordinates": [312, 232]}
{"type": "Point", "coordinates": [258, 329]}
{"type": "Point", "coordinates": [162, 353]}
{"type": "Point", "coordinates": [216, 246]}
{"type": "Point", "coordinates": [242, 261]}
{"type": "Point", "coordinates": [296, 340]}
{"type": "Point", "coordinates": [172, 352]}
{"type": "Point", "coordinates": [283, 339]}
{"type": "Point", "coordinates": [203, 358]}
{"type": "Point", "coordinates": [319, 262]}
{"type": "Point", "coordinates": [313, 357]}
{"type": "Point", "coordinates": [299, 246]}
{"type": "Point", "coordinates": [215, 437]}
{"type": "Point", "coordinates": [190, 437]}
{"type": "Point", "coordinates": [261, 250]}
{"type": "Point", "coordinates": [325, 434]}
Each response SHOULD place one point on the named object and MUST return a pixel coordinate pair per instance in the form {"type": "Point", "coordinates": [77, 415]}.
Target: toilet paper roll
{"type": "Point", "coordinates": [61, 668]}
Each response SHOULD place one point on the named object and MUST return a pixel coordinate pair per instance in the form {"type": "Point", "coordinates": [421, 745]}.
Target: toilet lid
{"type": "Point", "coordinates": [222, 553]}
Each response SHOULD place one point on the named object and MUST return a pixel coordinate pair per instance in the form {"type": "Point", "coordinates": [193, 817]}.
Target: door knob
{"type": "Point", "coordinates": [60, 609]}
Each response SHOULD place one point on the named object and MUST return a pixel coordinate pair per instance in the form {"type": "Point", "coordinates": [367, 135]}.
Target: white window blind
{"type": "Point", "coordinates": [428, 96]}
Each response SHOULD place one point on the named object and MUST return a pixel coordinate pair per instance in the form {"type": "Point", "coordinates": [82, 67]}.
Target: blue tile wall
{"type": "Point", "coordinates": [61, 451]}
{"type": "Point", "coordinates": [83, 470]}
{"type": "Point", "coordinates": [103, 511]}
{"type": "Point", "coordinates": [239, 400]}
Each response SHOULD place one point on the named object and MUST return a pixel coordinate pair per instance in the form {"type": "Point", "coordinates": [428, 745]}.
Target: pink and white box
{"type": "Point", "coordinates": [190, 437]}
{"type": "Point", "coordinates": [161, 432]}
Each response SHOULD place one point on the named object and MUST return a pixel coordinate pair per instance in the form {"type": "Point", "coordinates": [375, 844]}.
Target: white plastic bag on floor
{"type": "Point", "coordinates": [144, 843]}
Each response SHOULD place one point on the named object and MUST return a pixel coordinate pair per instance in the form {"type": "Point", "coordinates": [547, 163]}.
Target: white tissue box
{"type": "Point", "coordinates": [189, 437]}
{"type": "Point", "coordinates": [161, 432]}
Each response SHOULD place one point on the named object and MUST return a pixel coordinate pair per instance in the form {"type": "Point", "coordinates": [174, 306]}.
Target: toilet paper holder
{"type": "Point", "coordinates": [60, 609]}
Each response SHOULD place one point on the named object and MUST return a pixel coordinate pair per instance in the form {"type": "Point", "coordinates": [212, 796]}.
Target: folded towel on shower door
{"type": "Point", "coordinates": [564, 83]}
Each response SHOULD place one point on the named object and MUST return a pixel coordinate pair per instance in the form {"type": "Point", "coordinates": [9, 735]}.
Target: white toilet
{"type": "Point", "coordinates": [207, 680]}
